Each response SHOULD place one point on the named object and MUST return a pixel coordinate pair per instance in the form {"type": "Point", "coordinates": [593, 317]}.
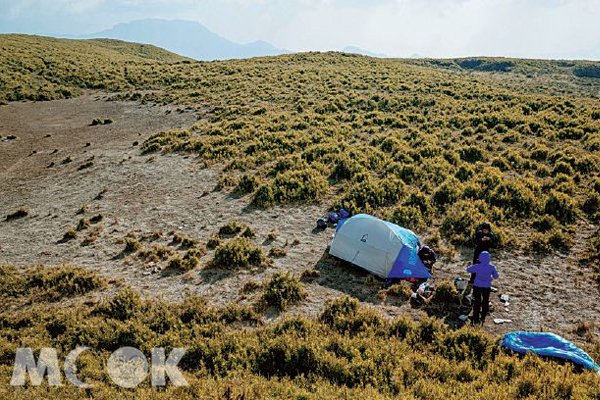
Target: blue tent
{"type": "Point", "coordinates": [381, 247]}
{"type": "Point", "coordinates": [550, 345]}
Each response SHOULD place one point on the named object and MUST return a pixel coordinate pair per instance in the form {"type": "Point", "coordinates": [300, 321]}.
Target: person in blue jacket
{"type": "Point", "coordinates": [484, 273]}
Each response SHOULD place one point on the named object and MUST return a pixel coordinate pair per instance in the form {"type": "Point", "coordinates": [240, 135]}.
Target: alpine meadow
{"type": "Point", "coordinates": [152, 200]}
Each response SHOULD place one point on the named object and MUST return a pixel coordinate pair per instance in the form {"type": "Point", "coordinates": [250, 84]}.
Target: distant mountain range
{"type": "Point", "coordinates": [194, 40]}
{"type": "Point", "coordinates": [186, 38]}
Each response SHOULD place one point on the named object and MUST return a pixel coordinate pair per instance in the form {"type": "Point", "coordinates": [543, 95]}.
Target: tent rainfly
{"type": "Point", "coordinates": [381, 247]}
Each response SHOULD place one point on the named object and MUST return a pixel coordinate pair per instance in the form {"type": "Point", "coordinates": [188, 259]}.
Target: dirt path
{"type": "Point", "coordinates": [147, 193]}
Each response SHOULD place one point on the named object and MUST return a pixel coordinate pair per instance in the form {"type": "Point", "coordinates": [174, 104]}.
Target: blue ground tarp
{"type": "Point", "coordinates": [549, 345]}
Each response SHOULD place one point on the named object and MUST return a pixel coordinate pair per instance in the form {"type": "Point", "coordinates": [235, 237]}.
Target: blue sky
{"type": "Point", "coordinates": [435, 28]}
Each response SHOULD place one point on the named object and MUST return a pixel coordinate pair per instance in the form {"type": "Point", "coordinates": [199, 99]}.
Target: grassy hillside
{"type": "Point", "coordinates": [438, 150]}
{"type": "Point", "coordinates": [580, 69]}
{"type": "Point", "coordinates": [348, 352]}
{"type": "Point", "coordinates": [429, 148]}
{"type": "Point", "coordinates": [41, 68]}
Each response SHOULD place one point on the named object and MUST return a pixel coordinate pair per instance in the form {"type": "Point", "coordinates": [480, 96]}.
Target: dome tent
{"type": "Point", "coordinates": [382, 248]}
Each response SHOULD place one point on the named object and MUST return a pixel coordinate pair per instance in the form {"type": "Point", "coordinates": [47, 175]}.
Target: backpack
{"type": "Point", "coordinates": [333, 218]}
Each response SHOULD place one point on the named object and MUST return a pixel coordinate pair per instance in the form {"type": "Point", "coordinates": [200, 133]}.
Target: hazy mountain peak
{"type": "Point", "coordinates": [187, 38]}
{"type": "Point", "coordinates": [358, 50]}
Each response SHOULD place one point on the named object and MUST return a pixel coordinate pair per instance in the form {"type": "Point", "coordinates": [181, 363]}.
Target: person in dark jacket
{"type": "Point", "coordinates": [484, 240]}
{"type": "Point", "coordinates": [484, 273]}
{"type": "Point", "coordinates": [428, 257]}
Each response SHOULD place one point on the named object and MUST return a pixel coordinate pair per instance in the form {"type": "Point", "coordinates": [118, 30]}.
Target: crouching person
{"type": "Point", "coordinates": [484, 273]}
{"type": "Point", "coordinates": [428, 257]}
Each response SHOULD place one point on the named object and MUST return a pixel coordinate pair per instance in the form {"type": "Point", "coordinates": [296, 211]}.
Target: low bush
{"type": "Point", "coordinates": [213, 242]}
{"type": "Point", "coordinates": [282, 290]}
{"type": "Point", "coordinates": [591, 205]}
{"type": "Point", "coordinates": [83, 224]}
{"type": "Point", "coordinates": [277, 252]}
{"type": "Point", "coordinates": [231, 228]}
{"type": "Point", "coordinates": [292, 186]}
{"type": "Point", "coordinates": [345, 316]}
{"type": "Point", "coordinates": [554, 239]}
{"type": "Point", "coordinates": [131, 245]}
{"type": "Point", "coordinates": [248, 183]}
{"type": "Point", "coordinates": [85, 165]}
{"type": "Point", "coordinates": [562, 207]}
{"type": "Point", "coordinates": [70, 234]}
{"type": "Point", "coordinates": [101, 121]}
{"type": "Point", "coordinates": [400, 290]}
{"type": "Point", "coordinates": [187, 263]}
{"type": "Point", "coordinates": [238, 253]}
{"type": "Point", "coordinates": [545, 223]}
{"type": "Point", "coordinates": [461, 221]}
{"type": "Point", "coordinates": [445, 294]}
{"type": "Point", "coordinates": [43, 283]}
{"type": "Point", "coordinates": [124, 305]}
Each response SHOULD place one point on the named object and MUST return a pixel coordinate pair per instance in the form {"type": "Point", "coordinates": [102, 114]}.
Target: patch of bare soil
{"type": "Point", "coordinates": [60, 163]}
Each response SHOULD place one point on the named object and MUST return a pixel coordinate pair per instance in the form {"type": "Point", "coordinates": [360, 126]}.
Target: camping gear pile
{"type": "Point", "coordinates": [426, 290]}
{"type": "Point", "coordinates": [333, 218]}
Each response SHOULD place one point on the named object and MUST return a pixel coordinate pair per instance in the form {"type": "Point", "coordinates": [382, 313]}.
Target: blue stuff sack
{"type": "Point", "coordinates": [549, 345]}
{"type": "Point", "coordinates": [343, 214]}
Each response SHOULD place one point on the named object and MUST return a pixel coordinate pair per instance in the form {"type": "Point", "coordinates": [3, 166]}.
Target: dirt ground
{"type": "Point", "coordinates": [140, 194]}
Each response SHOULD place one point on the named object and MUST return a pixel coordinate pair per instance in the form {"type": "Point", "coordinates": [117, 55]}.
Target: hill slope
{"type": "Point", "coordinates": [43, 68]}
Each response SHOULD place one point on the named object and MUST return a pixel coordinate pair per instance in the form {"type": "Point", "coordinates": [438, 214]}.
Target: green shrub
{"type": "Point", "coordinates": [277, 252]}
{"type": "Point", "coordinates": [70, 234]}
{"type": "Point", "coordinates": [283, 290]}
{"type": "Point", "coordinates": [591, 205]}
{"type": "Point", "coordinates": [292, 186]}
{"type": "Point", "coordinates": [124, 305]}
{"type": "Point", "coordinates": [517, 199]}
{"type": "Point", "coordinates": [238, 253]}
{"type": "Point", "coordinates": [551, 240]}
{"type": "Point", "coordinates": [227, 181]}
{"type": "Point", "coordinates": [545, 223]}
{"type": "Point", "coordinates": [48, 283]}
{"type": "Point", "coordinates": [593, 251]}
{"type": "Point", "coordinates": [448, 193]}
{"type": "Point", "coordinates": [248, 233]}
{"type": "Point", "coordinates": [401, 327]}
{"type": "Point", "coordinates": [371, 195]}
{"type": "Point", "coordinates": [83, 224]}
{"type": "Point", "coordinates": [248, 183]}
{"type": "Point", "coordinates": [131, 245]}
{"type": "Point", "coordinates": [445, 294]}
{"type": "Point", "coordinates": [231, 228]}
{"type": "Point", "coordinates": [461, 220]}
{"type": "Point", "coordinates": [400, 290]}
{"type": "Point", "coordinates": [344, 315]}
{"type": "Point", "coordinates": [187, 263]}
{"type": "Point", "coordinates": [213, 242]}
{"type": "Point", "coordinates": [562, 207]}
{"type": "Point", "coordinates": [471, 154]}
